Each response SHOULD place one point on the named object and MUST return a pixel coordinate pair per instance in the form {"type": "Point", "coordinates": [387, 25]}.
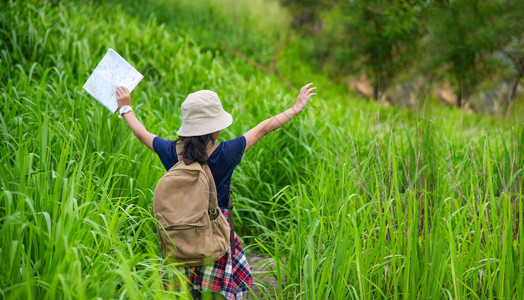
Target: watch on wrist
{"type": "Point", "coordinates": [124, 109]}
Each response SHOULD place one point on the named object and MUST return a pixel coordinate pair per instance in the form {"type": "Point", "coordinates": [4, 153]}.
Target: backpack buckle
{"type": "Point", "coordinates": [213, 213]}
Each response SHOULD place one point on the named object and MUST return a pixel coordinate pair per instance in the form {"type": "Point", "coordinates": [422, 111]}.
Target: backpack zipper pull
{"type": "Point", "coordinates": [198, 231]}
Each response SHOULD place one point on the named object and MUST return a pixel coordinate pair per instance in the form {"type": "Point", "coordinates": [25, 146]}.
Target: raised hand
{"type": "Point", "coordinates": [122, 96]}
{"type": "Point", "coordinates": [304, 96]}
{"type": "Point", "coordinates": [258, 132]}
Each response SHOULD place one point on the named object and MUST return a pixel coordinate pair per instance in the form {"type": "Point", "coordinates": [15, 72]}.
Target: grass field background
{"type": "Point", "coordinates": [351, 200]}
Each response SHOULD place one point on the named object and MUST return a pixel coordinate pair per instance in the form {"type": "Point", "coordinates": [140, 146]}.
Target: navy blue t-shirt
{"type": "Point", "coordinates": [222, 162]}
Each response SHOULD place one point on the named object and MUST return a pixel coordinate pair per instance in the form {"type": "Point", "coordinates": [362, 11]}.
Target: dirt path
{"type": "Point", "coordinates": [262, 268]}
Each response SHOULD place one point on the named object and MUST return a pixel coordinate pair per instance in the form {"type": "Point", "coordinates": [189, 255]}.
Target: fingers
{"type": "Point", "coordinates": [121, 90]}
{"type": "Point", "coordinates": [304, 88]}
{"type": "Point", "coordinates": [310, 95]}
{"type": "Point", "coordinates": [306, 92]}
{"type": "Point", "coordinates": [304, 95]}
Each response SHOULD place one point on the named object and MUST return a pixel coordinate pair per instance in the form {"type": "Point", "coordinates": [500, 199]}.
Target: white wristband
{"type": "Point", "coordinates": [124, 109]}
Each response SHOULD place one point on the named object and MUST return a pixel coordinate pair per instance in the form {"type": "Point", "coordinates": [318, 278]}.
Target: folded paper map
{"type": "Point", "coordinates": [112, 71]}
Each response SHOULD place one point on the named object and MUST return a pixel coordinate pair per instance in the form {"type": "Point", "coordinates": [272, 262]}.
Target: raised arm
{"type": "Point", "coordinates": [258, 132]}
{"type": "Point", "coordinates": [123, 98]}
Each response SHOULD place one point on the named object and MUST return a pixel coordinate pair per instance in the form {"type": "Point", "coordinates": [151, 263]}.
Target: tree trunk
{"type": "Point", "coordinates": [463, 93]}
{"type": "Point", "coordinates": [513, 94]}
{"type": "Point", "coordinates": [376, 84]}
{"type": "Point", "coordinates": [460, 97]}
{"type": "Point", "coordinates": [376, 91]}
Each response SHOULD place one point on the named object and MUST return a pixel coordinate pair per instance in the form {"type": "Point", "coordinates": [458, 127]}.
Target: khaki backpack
{"type": "Point", "coordinates": [193, 229]}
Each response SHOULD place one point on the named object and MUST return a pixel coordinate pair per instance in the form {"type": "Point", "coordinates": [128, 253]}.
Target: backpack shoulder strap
{"type": "Point", "coordinates": [212, 148]}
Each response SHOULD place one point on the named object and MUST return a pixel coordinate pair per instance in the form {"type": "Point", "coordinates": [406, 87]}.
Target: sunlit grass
{"type": "Point", "coordinates": [351, 200]}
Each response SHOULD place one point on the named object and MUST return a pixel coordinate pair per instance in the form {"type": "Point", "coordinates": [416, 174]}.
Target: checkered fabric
{"type": "Point", "coordinates": [229, 276]}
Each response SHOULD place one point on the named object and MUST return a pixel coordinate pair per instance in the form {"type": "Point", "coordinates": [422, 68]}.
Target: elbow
{"type": "Point", "coordinates": [263, 133]}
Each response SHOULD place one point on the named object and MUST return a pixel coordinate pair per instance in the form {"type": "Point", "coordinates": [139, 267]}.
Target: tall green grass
{"type": "Point", "coordinates": [350, 199]}
{"type": "Point", "coordinates": [411, 214]}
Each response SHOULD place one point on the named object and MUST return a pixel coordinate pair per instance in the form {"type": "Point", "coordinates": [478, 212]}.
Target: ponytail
{"type": "Point", "coordinates": [195, 148]}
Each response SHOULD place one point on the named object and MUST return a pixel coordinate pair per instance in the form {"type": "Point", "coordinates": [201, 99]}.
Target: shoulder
{"type": "Point", "coordinates": [161, 144]}
{"type": "Point", "coordinates": [234, 145]}
{"type": "Point", "coordinates": [166, 150]}
{"type": "Point", "coordinates": [230, 151]}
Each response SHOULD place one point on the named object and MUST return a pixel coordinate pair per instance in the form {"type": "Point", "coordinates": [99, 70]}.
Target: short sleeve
{"type": "Point", "coordinates": [166, 151]}
{"type": "Point", "coordinates": [234, 149]}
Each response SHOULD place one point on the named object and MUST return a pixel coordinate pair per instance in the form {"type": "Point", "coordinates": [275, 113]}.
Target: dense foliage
{"type": "Point", "coordinates": [466, 42]}
{"type": "Point", "coordinates": [349, 200]}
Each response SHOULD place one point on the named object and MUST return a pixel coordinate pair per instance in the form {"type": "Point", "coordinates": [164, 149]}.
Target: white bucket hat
{"type": "Point", "coordinates": [202, 114]}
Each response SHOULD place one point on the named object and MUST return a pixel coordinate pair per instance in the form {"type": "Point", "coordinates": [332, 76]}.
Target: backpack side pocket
{"type": "Point", "coordinates": [185, 235]}
{"type": "Point", "coordinates": [220, 228]}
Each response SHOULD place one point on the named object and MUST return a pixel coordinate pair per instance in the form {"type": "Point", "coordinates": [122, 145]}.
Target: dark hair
{"type": "Point", "coordinates": [195, 148]}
